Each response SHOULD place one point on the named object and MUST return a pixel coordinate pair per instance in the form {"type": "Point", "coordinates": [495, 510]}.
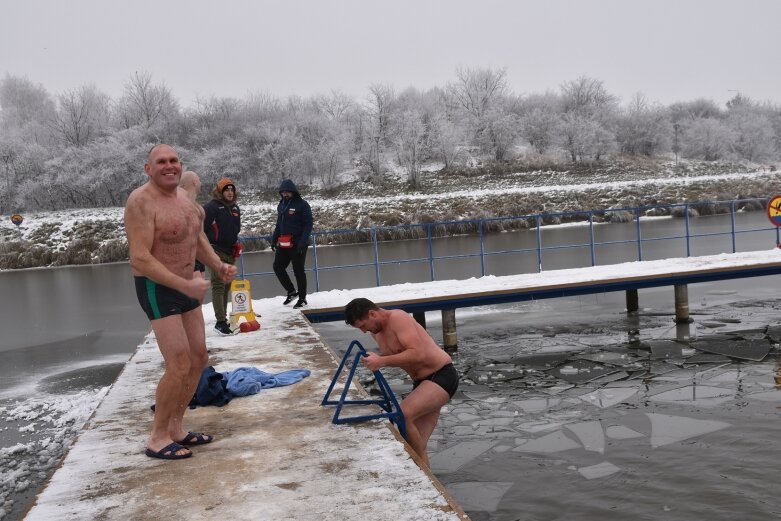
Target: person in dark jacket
{"type": "Point", "coordinates": [290, 241]}
{"type": "Point", "coordinates": [222, 224]}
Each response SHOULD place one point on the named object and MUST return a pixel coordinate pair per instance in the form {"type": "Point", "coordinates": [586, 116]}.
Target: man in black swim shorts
{"type": "Point", "coordinates": [165, 236]}
{"type": "Point", "coordinates": [446, 378]}
{"type": "Point", "coordinates": [404, 343]}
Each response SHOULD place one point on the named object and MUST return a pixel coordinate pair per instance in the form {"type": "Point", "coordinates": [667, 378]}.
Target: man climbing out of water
{"type": "Point", "coordinates": [165, 235]}
{"type": "Point", "coordinates": [404, 343]}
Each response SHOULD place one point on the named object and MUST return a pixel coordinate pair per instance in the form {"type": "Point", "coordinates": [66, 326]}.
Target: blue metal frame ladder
{"type": "Point", "coordinates": [387, 403]}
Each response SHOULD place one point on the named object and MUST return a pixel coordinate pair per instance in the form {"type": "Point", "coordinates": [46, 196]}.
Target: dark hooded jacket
{"type": "Point", "coordinates": [293, 217]}
{"type": "Point", "coordinates": [222, 223]}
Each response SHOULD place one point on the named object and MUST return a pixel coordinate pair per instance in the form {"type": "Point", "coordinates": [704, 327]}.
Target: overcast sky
{"type": "Point", "coordinates": [670, 50]}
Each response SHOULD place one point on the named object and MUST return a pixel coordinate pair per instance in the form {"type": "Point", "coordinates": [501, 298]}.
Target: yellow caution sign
{"type": "Point", "coordinates": [241, 304]}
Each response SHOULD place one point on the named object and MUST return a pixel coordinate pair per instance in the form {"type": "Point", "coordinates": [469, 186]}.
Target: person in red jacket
{"type": "Point", "coordinates": [222, 224]}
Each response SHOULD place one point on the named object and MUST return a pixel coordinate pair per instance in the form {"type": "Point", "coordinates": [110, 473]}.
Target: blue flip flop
{"type": "Point", "coordinates": [168, 452]}
{"type": "Point", "coordinates": [195, 438]}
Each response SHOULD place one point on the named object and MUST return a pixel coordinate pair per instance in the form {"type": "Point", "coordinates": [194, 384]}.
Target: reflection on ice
{"type": "Point", "coordinates": [768, 396]}
{"type": "Point", "coordinates": [702, 395]}
{"type": "Point", "coordinates": [667, 429]}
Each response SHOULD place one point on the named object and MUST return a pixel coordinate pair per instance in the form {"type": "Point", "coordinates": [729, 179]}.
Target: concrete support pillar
{"type": "Point", "coordinates": [632, 302]}
{"type": "Point", "coordinates": [682, 304]}
{"type": "Point", "coordinates": [420, 318]}
{"type": "Point", "coordinates": [449, 337]}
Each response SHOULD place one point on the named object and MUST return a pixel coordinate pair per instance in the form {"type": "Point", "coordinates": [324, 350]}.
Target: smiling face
{"type": "Point", "coordinates": [164, 167]}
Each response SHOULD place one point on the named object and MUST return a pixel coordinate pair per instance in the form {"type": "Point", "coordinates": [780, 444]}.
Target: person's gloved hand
{"type": "Point", "coordinates": [237, 249]}
{"type": "Point", "coordinates": [301, 248]}
{"type": "Point", "coordinates": [274, 246]}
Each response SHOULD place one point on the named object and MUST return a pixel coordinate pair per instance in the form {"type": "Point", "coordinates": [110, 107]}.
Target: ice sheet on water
{"type": "Point", "coordinates": [667, 429]}
{"type": "Point", "coordinates": [753, 349]}
{"type": "Point", "coordinates": [609, 396]}
{"type": "Point", "coordinates": [553, 442]}
{"type": "Point", "coordinates": [458, 455]}
{"type": "Point", "coordinates": [537, 404]}
{"type": "Point", "coordinates": [599, 470]}
{"type": "Point", "coordinates": [621, 432]}
{"type": "Point", "coordinates": [590, 435]}
{"type": "Point", "coordinates": [484, 496]}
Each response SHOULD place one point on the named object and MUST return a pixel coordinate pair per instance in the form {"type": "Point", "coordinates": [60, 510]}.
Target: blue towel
{"type": "Point", "coordinates": [250, 380]}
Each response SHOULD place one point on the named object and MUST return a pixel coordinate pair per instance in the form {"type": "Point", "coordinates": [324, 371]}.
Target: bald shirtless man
{"type": "Point", "coordinates": [404, 343]}
{"type": "Point", "coordinates": [165, 235]}
{"type": "Point", "coordinates": [191, 183]}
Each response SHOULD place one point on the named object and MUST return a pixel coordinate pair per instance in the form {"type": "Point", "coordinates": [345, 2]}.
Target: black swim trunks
{"type": "Point", "coordinates": [160, 301]}
{"type": "Point", "coordinates": [446, 378]}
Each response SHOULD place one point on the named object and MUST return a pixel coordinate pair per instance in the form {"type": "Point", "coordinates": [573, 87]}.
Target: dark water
{"type": "Point", "coordinates": [68, 331]}
{"type": "Point", "coordinates": [685, 439]}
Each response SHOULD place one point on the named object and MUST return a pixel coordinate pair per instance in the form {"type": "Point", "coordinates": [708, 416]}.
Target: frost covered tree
{"type": "Point", "coordinates": [588, 119]}
{"type": "Point", "coordinates": [642, 128]}
{"type": "Point", "coordinates": [754, 136]}
{"type": "Point", "coordinates": [82, 115]}
{"type": "Point", "coordinates": [476, 90]}
{"type": "Point", "coordinates": [146, 104]}
{"type": "Point", "coordinates": [539, 120]}
{"type": "Point", "coordinates": [706, 138]}
{"type": "Point", "coordinates": [26, 109]}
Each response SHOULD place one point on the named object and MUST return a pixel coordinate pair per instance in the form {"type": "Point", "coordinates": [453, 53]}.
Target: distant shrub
{"type": "Point", "coordinates": [680, 211]}
{"type": "Point", "coordinates": [115, 250]}
{"type": "Point", "coordinates": [619, 216]}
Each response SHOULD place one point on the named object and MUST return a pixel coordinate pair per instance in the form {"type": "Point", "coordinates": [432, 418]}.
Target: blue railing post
{"type": "Point", "coordinates": [591, 237]}
{"type": "Point", "coordinates": [639, 237]}
{"type": "Point", "coordinates": [482, 250]}
{"type": "Point", "coordinates": [688, 237]}
{"type": "Point", "coordinates": [539, 243]}
{"type": "Point", "coordinates": [430, 252]}
{"type": "Point", "coordinates": [376, 257]}
{"type": "Point", "coordinates": [732, 222]}
{"type": "Point", "coordinates": [314, 256]}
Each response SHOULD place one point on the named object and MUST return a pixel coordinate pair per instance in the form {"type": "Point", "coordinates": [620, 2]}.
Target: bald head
{"type": "Point", "coordinates": [190, 183]}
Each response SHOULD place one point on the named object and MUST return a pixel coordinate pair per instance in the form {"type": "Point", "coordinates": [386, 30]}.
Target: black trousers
{"type": "Point", "coordinates": [282, 259]}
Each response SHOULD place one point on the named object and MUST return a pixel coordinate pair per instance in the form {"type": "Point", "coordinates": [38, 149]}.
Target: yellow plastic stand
{"type": "Point", "coordinates": [241, 303]}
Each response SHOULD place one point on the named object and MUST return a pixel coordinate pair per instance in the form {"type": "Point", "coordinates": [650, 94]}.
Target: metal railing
{"type": "Point", "coordinates": [482, 228]}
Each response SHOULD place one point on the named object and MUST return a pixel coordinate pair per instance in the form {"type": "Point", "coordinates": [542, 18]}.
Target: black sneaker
{"type": "Point", "coordinates": [289, 298]}
{"type": "Point", "coordinates": [223, 328]}
{"type": "Point", "coordinates": [301, 303]}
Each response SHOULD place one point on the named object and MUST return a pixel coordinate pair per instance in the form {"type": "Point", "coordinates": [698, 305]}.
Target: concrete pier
{"type": "Point", "coordinates": [682, 304]}
{"type": "Point", "coordinates": [276, 455]}
{"type": "Point", "coordinates": [449, 336]}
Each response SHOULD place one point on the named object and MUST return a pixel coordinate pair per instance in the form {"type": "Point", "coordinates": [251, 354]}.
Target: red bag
{"type": "Point", "coordinates": [285, 241]}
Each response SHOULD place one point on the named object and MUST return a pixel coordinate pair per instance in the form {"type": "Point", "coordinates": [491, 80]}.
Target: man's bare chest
{"type": "Point", "coordinates": [177, 223]}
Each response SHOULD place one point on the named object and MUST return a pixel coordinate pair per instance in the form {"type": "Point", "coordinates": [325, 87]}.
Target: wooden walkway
{"type": "Point", "coordinates": [439, 295]}
{"type": "Point", "coordinates": [276, 456]}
